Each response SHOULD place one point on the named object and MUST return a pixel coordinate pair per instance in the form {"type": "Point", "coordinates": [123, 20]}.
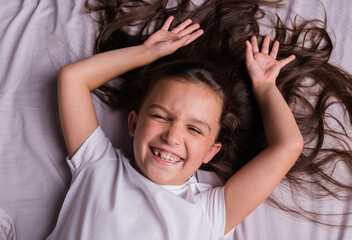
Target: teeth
{"type": "Point", "coordinates": [165, 157]}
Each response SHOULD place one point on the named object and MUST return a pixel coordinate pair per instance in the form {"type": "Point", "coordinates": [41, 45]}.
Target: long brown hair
{"type": "Point", "coordinates": [310, 84]}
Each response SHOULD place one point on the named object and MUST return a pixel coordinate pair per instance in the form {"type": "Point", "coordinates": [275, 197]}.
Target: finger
{"type": "Point", "coordinates": [183, 41]}
{"type": "Point", "coordinates": [194, 36]}
{"type": "Point", "coordinates": [249, 52]}
{"type": "Point", "coordinates": [254, 44]}
{"type": "Point", "coordinates": [275, 49]}
{"type": "Point", "coordinates": [265, 45]}
{"type": "Point", "coordinates": [287, 60]}
{"type": "Point", "coordinates": [182, 26]}
{"type": "Point", "coordinates": [167, 23]}
{"type": "Point", "coordinates": [189, 30]}
{"type": "Point", "coordinates": [187, 39]}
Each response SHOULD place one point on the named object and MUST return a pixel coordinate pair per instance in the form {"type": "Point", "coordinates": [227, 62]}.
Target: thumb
{"type": "Point", "coordinates": [286, 61]}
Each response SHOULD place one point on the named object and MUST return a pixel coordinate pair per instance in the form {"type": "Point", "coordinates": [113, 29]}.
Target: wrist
{"type": "Point", "coordinates": [263, 88]}
{"type": "Point", "coordinates": [148, 53]}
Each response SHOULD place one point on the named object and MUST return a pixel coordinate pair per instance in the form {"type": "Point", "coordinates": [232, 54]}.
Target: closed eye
{"type": "Point", "coordinates": [157, 116]}
{"type": "Point", "coordinates": [195, 130]}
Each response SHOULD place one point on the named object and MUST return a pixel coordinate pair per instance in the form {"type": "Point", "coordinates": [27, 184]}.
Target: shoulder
{"type": "Point", "coordinates": [212, 202]}
{"type": "Point", "coordinates": [210, 188]}
{"type": "Point", "coordinates": [95, 150]}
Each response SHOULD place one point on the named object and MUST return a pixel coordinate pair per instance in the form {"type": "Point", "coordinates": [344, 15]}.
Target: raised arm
{"type": "Point", "coordinates": [253, 183]}
{"type": "Point", "coordinates": [76, 80]}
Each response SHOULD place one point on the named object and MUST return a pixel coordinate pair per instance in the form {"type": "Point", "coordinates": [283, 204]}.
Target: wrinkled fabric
{"type": "Point", "coordinates": [37, 37]}
{"type": "Point", "coordinates": [7, 229]}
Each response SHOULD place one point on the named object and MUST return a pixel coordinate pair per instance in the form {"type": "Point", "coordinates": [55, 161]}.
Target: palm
{"type": "Point", "coordinates": [164, 42]}
{"type": "Point", "coordinates": [263, 68]}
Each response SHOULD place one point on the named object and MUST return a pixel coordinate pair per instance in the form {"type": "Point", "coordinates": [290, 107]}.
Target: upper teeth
{"type": "Point", "coordinates": [165, 156]}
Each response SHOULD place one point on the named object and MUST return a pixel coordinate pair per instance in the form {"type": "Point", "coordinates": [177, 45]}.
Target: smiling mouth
{"type": "Point", "coordinates": [165, 156]}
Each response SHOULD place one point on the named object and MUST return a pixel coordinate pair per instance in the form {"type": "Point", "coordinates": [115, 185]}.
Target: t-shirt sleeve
{"type": "Point", "coordinates": [213, 203]}
{"type": "Point", "coordinates": [97, 147]}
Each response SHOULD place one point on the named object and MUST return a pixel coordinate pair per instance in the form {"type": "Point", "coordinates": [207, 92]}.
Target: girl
{"type": "Point", "coordinates": [311, 85]}
{"type": "Point", "coordinates": [179, 126]}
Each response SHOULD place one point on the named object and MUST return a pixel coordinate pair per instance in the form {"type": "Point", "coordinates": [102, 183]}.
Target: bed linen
{"type": "Point", "coordinates": [37, 37]}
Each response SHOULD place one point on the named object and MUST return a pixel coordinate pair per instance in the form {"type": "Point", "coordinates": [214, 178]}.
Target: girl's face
{"type": "Point", "coordinates": [175, 130]}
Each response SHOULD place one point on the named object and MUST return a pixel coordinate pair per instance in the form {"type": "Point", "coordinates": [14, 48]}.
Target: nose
{"type": "Point", "coordinates": [172, 135]}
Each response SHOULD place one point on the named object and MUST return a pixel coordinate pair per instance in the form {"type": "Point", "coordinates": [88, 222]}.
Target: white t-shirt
{"type": "Point", "coordinates": [109, 199]}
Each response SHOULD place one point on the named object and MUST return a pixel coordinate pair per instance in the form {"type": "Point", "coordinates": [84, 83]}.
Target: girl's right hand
{"type": "Point", "coordinates": [165, 42]}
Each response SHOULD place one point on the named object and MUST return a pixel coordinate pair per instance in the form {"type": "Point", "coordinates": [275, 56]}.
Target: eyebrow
{"type": "Point", "coordinates": [194, 120]}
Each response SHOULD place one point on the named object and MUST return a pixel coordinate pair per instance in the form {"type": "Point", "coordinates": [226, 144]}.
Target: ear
{"type": "Point", "coordinates": [132, 122]}
{"type": "Point", "coordinates": [212, 152]}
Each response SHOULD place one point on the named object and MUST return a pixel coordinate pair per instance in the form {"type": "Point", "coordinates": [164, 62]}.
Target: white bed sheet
{"type": "Point", "coordinates": [267, 222]}
{"type": "Point", "coordinates": [36, 39]}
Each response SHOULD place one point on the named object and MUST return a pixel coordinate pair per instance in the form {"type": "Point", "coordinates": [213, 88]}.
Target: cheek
{"type": "Point", "coordinates": [197, 148]}
{"type": "Point", "coordinates": [146, 130]}
{"type": "Point", "coordinates": [202, 150]}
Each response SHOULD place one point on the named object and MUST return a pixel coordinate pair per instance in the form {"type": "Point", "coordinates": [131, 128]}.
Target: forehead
{"type": "Point", "coordinates": [186, 99]}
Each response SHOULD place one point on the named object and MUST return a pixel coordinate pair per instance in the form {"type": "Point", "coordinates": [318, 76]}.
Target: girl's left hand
{"type": "Point", "coordinates": [263, 68]}
{"type": "Point", "coordinates": [165, 42]}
